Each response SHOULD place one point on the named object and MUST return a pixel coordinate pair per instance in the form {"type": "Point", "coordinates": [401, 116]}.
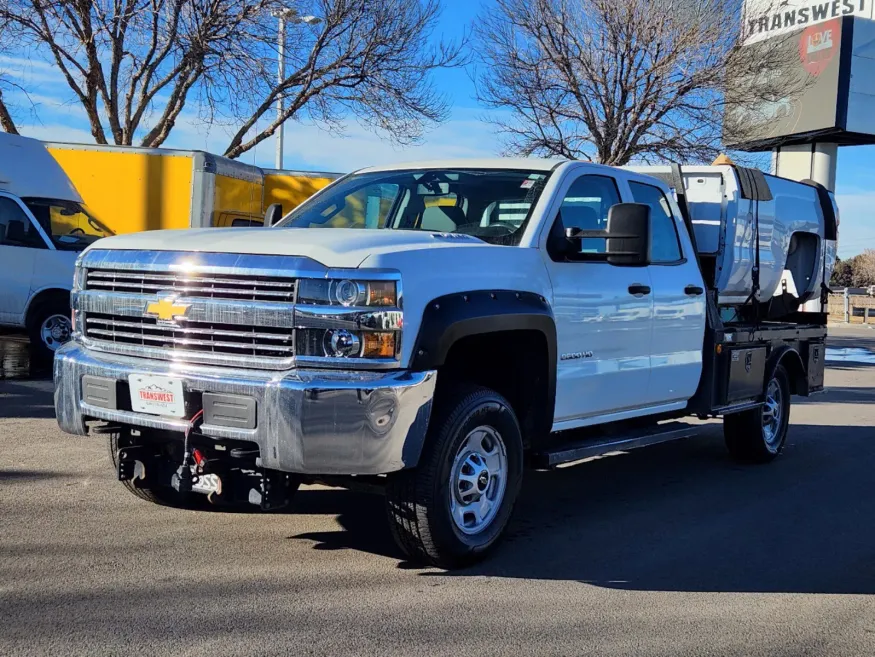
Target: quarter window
{"type": "Point", "coordinates": [665, 247]}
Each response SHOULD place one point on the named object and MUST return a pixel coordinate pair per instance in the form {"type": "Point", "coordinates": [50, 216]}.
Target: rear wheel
{"type": "Point", "coordinates": [453, 508]}
{"type": "Point", "coordinates": [758, 435]}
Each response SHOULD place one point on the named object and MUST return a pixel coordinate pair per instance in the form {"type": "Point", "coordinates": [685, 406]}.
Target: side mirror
{"type": "Point", "coordinates": [627, 236]}
{"type": "Point", "coordinates": [273, 215]}
{"type": "Point", "coordinates": [629, 229]}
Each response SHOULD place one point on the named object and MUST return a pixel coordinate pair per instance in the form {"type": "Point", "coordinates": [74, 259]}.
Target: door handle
{"type": "Point", "coordinates": [693, 290]}
{"type": "Point", "coordinates": [639, 290]}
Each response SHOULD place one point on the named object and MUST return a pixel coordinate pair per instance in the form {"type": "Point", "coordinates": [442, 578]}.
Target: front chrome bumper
{"type": "Point", "coordinates": [307, 421]}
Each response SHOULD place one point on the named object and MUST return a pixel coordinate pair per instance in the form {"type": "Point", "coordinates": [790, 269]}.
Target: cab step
{"type": "Point", "coordinates": [617, 442]}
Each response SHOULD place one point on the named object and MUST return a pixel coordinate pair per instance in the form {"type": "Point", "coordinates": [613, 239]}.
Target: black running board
{"type": "Point", "coordinates": [621, 442]}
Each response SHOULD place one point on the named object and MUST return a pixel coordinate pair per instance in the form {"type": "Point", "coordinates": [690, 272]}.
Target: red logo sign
{"type": "Point", "coordinates": [819, 45]}
{"type": "Point", "coordinates": [156, 394]}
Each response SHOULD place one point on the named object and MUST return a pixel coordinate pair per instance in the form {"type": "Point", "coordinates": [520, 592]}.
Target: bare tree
{"type": "Point", "coordinates": [132, 64]}
{"type": "Point", "coordinates": [7, 124]}
{"type": "Point", "coordinates": [612, 81]}
{"type": "Point", "coordinates": [367, 59]}
{"type": "Point", "coordinates": [863, 267]}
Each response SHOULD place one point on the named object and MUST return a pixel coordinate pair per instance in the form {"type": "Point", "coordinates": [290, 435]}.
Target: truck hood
{"type": "Point", "coordinates": [333, 247]}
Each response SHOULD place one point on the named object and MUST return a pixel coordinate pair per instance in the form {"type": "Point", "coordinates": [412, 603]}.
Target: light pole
{"type": "Point", "coordinates": [285, 16]}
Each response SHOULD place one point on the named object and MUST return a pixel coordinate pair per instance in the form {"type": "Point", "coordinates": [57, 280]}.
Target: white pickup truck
{"type": "Point", "coordinates": [432, 329]}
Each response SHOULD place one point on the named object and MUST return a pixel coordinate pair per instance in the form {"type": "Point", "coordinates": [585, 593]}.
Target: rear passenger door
{"type": "Point", "coordinates": [678, 301]}
{"type": "Point", "coordinates": [603, 312]}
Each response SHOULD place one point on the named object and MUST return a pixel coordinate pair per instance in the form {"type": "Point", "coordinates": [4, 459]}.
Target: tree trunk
{"type": "Point", "coordinates": [6, 121]}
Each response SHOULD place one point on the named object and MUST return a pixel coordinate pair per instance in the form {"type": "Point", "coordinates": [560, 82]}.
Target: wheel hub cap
{"type": "Point", "coordinates": [55, 331]}
{"type": "Point", "coordinates": [478, 480]}
{"type": "Point", "coordinates": [773, 414]}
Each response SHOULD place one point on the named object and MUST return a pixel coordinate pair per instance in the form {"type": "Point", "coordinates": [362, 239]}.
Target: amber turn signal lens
{"type": "Point", "coordinates": [379, 345]}
{"type": "Point", "coordinates": [719, 349]}
{"type": "Point", "coordinates": [382, 293]}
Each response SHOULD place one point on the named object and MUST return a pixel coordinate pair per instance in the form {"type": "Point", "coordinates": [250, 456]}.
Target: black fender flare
{"type": "Point", "coordinates": [450, 318]}
{"type": "Point", "coordinates": [792, 361]}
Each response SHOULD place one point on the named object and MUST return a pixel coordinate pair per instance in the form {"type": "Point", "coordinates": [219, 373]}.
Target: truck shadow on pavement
{"type": "Point", "coordinates": [677, 517]}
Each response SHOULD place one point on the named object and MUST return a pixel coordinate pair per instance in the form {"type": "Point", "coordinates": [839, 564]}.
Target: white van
{"type": "Point", "coordinates": [43, 226]}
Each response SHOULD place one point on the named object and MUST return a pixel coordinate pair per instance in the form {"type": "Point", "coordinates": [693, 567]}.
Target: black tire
{"type": "Point", "coordinates": [43, 349]}
{"type": "Point", "coordinates": [418, 501]}
{"type": "Point", "coordinates": [746, 434]}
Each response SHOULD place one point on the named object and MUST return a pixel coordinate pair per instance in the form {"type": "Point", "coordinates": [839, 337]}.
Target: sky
{"type": "Point", "coordinates": [50, 113]}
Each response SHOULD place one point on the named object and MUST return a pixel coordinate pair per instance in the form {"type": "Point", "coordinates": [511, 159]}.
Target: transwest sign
{"type": "Point", "coordinates": [817, 83]}
{"type": "Point", "coordinates": [763, 19]}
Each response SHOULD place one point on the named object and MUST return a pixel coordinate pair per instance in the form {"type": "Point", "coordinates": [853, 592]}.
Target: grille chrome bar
{"type": "Point", "coordinates": [188, 329]}
{"type": "Point", "coordinates": [96, 274]}
{"type": "Point", "coordinates": [237, 312]}
{"type": "Point", "coordinates": [214, 286]}
{"type": "Point", "coordinates": [164, 339]}
{"type": "Point", "coordinates": [190, 290]}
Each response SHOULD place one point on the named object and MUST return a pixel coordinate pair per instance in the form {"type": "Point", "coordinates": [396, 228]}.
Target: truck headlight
{"type": "Point", "coordinates": [345, 343]}
{"type": "Point", "coordinates": [347, 292]}
{"type": "Point", "coordinates": [344, 318]}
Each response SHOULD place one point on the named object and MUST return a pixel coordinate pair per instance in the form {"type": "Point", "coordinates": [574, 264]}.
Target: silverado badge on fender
{"type": "Point", "coordinates": [166, 309]}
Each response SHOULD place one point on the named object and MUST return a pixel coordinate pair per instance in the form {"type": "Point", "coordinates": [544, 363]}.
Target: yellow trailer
{"type": "Point", "coordinates": [133, 189]}
{"type": "Point", "coordinates": [291, 188]}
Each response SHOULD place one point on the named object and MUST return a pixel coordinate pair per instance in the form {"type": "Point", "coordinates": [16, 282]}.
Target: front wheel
{"type": "Point", "coordinates": [453, 508]}
{"type": "Point", "coordinates": [49, 327]}
{"type": "Point", "coordinates": [758, 435]}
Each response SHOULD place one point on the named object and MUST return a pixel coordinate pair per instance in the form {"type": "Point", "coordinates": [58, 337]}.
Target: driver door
{"type": "Point", "coordinates": [603, 313]}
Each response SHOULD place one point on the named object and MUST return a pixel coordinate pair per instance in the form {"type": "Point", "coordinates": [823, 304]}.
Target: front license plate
{"type": "Point", "coordinates": [156, 395]}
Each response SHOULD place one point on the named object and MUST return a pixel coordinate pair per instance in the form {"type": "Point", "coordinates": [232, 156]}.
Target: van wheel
{"type": "Point", "coordinates": [49, 326]}
{"type": "Point", "coordinates": [758, 435]}
{"type": "Point", "coordinates": [453, 508]}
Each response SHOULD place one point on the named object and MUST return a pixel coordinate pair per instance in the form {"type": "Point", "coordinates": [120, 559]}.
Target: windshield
{"type": "Point", "coordinates": [69, 225]}
{"type": "Point", "coordinates": [492, 204]}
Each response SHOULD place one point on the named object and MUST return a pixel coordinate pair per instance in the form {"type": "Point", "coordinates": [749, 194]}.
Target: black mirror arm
{"type": "Point", "coordinates": [576, 234]}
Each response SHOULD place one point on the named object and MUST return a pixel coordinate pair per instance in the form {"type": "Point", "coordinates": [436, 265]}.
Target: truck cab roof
{"type": "Point", "coordinates": [521, 163]}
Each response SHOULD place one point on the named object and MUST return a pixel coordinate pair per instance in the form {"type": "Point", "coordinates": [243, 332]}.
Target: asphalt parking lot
{"type": "Point", "coordinates": [673, 550]}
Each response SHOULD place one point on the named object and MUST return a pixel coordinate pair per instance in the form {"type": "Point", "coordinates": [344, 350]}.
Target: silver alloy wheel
{"type": "Point", "coordinates": [478, 480]}
{"type": "Point", "coordinates": [773, 411]}
{"type": "Point", "coordinates": [55, 331]}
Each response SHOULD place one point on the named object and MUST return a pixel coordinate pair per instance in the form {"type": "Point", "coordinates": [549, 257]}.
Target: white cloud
{"type": "Point", "coordinates": [32, 71]}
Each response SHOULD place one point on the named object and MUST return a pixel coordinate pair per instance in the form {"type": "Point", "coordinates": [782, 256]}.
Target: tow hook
{"type": "Point", "coordinates": [273, 493]}
{"type": "Point", "coordinates": [128, 457]}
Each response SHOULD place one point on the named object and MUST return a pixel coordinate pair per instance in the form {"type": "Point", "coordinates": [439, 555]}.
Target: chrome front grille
{"type": "Point", "coordinates": [226, 309]}
{"type": "Point", "coordinates": [203, 337]}
{"type": "Point", "coordinates": [191, 284]}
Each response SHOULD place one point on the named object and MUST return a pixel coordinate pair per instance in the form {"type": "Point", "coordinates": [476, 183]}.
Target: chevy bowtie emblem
{"type": "Point", "coordinates": [166, 309]}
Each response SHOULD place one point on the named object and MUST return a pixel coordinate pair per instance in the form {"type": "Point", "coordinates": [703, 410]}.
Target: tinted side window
{"type": "Point", "coordinates": [15, 227]}
{"type": "Point", "coordinates": [586, 206]}
{"type": "Point", "coordinates": [665, 245]}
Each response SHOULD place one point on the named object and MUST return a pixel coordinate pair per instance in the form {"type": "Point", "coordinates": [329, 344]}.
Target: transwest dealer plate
{"type": "Point", "coordinates": [156, 395]}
